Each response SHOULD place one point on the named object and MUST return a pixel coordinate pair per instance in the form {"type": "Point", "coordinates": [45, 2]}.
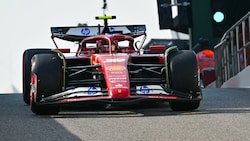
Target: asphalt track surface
{"type": "Point", "coordinates": [224, 115]}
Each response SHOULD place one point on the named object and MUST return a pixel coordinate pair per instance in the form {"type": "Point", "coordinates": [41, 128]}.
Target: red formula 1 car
{"type": "Point", "coordinates": [109, 68]}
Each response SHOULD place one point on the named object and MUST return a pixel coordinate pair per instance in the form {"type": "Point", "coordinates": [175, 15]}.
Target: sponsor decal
{"type": "Point", "coordinates": [118, 85]}
{"type": "Point", "coordinates": [111, 29]}
{"type": "Point", "coordinates": [144, 89]}
{"type": "Point", "coordinates": [118, 79]}
{"type": "Point", "coordinates": [136, 29]}
{"type": "Point", "coordinates": [114, 60]}
{"type": "Point", "coordinates": [116, 72]}
{"type": "Point", "coordinates": [116, 68]}
{"type": "Point", "coordinates": [85, 31]}
{"type": "Point", "coordinates": [92, 90]}
{"type": "Point", "coordinates": [150, 89]}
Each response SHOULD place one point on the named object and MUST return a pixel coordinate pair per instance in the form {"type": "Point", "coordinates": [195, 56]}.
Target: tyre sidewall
{"type": "Point", "coordinates": [48, 69]}
{"type": "Point", "coordinates": [183, 75]}
{"type": "Point", "coordinates": [183, 71]}
{"type": "Point", "coordinates": [26, 68]}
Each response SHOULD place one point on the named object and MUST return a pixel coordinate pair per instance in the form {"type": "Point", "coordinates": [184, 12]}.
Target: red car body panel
{"type": "Point", "coordinates": [114, 67]}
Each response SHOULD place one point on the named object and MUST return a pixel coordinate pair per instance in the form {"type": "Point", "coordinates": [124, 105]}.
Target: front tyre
{"type": "Point", "coordinates": [43, 109]}
{"type": "Point", "coordinates": [27, 55]}
{"type": "Point", "coordinates": [184, 106]}
{"type": "Point", "coordinates": [47, 79]}
{"type": "Point", "coordinates": [183, 76]}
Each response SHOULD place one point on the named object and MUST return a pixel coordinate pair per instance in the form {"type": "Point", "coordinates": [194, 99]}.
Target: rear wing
{"type": "Point", "coordinates": [79, 33]}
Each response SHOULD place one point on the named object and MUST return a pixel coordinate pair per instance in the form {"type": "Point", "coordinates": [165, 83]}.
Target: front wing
{"type": "Point", "coordinates": [96, 95]}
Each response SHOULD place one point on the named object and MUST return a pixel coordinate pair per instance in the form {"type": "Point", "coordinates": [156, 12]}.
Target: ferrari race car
{"type": "Point", "coordinates": [109, 67]}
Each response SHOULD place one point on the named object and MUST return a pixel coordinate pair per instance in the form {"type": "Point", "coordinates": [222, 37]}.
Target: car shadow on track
{"type": "Point", "coordinates": [138, 110]}
{"type": "Point", "coordinates": [19, 123]}
{"type": "Point", "coordinates": [144, 111]}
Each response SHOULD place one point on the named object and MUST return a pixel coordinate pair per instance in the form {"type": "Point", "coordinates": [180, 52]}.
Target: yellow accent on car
{"type": "Point", "coordinates": [60, 54]}
{"type": "Point", "coordinates": [105, 17]}
{"type": "Point", "coordinates": [167, 52]}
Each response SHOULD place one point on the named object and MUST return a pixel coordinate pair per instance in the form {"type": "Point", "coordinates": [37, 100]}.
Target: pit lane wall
{"type": "Point", "coordinates": [232, 55]}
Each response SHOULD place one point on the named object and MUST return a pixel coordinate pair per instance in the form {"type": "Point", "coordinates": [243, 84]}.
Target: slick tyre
{"type": "Point", "coordinates": [47, 75]}
{"type": "Point", "coordinates": [26, 68]}
{"type": "Point", "coordinates": [183, 75]}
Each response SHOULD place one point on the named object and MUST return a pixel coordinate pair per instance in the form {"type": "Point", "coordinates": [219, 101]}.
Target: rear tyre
{"type": "Point", "coordinates": [27, 55]}
{"type": "Point", "coordinates": [183, 75]}
{"type": "Point", "coordinates": [48, 73]}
